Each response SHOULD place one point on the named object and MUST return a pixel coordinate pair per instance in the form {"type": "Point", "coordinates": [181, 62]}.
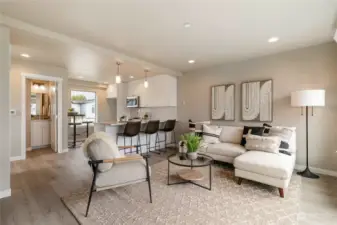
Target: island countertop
{"type": "Point", "coordinates": [118, 123]}
{"type": "Point", "coordinates": [114, 127]}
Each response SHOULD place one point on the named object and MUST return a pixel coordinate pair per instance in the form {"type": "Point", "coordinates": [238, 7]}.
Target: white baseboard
{"type": "Point", "coordinates": [15, 158]}
{"type": "Point", "coordinates": [5, 193]}
{"type": "Point", "coordinates": [317, 170]}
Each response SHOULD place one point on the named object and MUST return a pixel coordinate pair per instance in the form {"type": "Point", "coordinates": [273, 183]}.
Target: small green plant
{"type": "Point", "coordinates": [192, 142]}
{"type": "Point", "coordinates": [71, 110]}
{"type": "Point", "coordinates": [78, 98]}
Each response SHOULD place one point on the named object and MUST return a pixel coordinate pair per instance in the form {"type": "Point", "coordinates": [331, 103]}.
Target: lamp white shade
{"type": "Point", "coordinates": [308, 98]}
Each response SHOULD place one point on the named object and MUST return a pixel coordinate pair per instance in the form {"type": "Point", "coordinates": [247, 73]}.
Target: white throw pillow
{"type": "Point", "coordinates": [210, 134]}
{"type": "Point", "coordinates": [285, 133]}
{"type": "Point", "coordinates": [263, 143]}
{"type": "Point", "coordinates": [99, 146]}
{"type": "Point", "coordinates": [231, 134]}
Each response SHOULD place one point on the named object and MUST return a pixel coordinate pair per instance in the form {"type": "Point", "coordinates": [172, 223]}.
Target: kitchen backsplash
{"type": "Point", "coordinates": [159, 113]}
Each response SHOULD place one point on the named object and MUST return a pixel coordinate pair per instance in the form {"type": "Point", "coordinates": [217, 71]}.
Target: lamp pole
{"type": "Point", "coordinates": [307, 173]}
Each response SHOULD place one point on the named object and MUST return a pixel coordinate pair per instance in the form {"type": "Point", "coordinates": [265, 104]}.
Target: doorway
{"type": "Point", "coordinates": [41, 113]}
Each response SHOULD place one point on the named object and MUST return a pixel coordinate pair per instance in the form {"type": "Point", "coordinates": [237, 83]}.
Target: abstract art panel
{"type": "Point", "coordinates": [257, 101]}
{"type": "Point", "coordinates": [223, 100]}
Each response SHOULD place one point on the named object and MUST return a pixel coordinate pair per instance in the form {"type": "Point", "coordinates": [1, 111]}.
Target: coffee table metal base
{"type": "Point", "coordinates": [190, 181]}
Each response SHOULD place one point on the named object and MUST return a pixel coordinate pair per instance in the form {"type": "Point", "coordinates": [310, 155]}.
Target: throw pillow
{"type": "Point", "coordinates": [263, 143]}
{"type": "Point", "coordinates": [284, 133]}
{"type": "Point", "coordinates": [231, 134]}
{"type": "Point", "coordinates": [98, 146]}
{"type": "Point", "coordinates": [251, 130]}
{"type": "Point", "coordinates": [210, 134]}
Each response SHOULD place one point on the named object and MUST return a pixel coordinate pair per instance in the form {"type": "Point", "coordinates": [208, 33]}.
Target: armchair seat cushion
{"type": "Point", "coordinates": [278, 166]}
{"type": "Point", "coordinates": [226, 149]}
{"type": "Point", "coordinates": [122, 173]}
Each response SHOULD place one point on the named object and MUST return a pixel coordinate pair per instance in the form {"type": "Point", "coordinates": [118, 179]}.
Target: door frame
{"type": "Point", "coordinates": [59, 84]}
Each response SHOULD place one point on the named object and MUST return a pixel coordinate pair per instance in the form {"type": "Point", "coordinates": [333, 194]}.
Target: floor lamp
{"type": "Point", "coordinates": [308, 98]}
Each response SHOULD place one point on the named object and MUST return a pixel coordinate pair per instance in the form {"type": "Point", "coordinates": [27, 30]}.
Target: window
{"type": "Point", "coordinates": [84, 103]}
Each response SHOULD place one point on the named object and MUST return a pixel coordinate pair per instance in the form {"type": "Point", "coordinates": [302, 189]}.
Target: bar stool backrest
{"type": "Point", "coordinates": [169, 125]}
{"type": "Point", "coordinates": [152, 127]}
{"type": "Point", "coordinates": [132, 129]}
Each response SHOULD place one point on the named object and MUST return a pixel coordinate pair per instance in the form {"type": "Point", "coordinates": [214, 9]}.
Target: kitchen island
{"type": "Point", "coordinates": [115, 127]}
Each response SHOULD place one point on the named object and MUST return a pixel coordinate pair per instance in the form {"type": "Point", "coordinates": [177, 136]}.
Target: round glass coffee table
{"type": "Point", "coordinates": [189, 174]}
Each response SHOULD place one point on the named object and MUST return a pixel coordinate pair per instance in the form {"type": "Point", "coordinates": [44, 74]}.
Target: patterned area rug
{"type": "Point", "coordinates": [226, 203]}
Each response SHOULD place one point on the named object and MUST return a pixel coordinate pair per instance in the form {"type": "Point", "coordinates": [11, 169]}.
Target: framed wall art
{"type": "Point", "coordinates": [223, 102]}
{"type": "Point", "coordinates": [257, 101]}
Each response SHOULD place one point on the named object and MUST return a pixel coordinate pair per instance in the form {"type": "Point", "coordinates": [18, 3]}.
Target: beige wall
{"type": "Point", "coordinates": [107, 108]}
{"type": "Point", "coordinates": [19, 67]}
{"type": "Point", "coordinates": [4, 111]}
{"type": "Point", "coordinates": [312, 67]}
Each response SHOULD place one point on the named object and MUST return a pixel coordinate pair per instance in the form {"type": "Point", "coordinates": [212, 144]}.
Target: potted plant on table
{"type": "Point", "coordinates": [192, 143]}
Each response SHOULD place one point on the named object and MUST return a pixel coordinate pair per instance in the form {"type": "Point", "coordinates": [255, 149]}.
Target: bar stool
{"type": "Point", "coordinates": [131, 130]}
{"type": "Point", "coordinates": [152, 127]}
{"type": "Point", "coordinates": [169, 128]}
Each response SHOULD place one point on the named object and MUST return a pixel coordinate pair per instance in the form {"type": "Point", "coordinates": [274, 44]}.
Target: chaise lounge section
{"type": "Point", "coordinates": [264, 167]}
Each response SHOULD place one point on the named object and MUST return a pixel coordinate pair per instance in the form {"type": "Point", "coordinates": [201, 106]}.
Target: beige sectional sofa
{"type": "Point", "coordinates": [269, 168]}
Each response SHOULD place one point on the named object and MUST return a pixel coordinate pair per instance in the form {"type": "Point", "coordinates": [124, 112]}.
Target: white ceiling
{"type": "Point", "coordinates": [82, 62]}
{"type": "Point", "coordinates": [152, 30]}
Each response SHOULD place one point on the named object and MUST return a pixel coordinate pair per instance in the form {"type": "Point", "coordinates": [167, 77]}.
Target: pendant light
{"type": "Point", "coordinates": [118, 76]}
{"type": "Point", "coordinates": [146, 83]}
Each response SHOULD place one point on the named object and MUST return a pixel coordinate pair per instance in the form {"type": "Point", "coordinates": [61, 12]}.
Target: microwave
{"type": "Point", "coordinates": [132, 102]}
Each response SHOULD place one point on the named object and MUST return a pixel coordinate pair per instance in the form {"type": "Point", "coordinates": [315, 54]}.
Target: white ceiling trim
{"type": "Point", "coordinates": [20, 25]}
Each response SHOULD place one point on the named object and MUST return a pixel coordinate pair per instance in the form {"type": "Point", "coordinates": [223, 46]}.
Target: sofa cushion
{"type": "Point", "coordinates": [231, 134]}
{"type": "Point", "coordinates": [273, 165]}
{"type": "Point", "coordinates": [226, 149]}
{"type": "Point", "coordinates": [210, 134]}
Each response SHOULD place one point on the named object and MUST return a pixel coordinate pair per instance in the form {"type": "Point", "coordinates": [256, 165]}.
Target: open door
{"type": "Point", "coordinates": [53, 115]}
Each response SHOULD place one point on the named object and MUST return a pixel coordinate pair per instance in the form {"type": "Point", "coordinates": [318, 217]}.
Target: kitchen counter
{"type": "Point", "coordinates": [119, 123]}
{"type": "Point", "coordinates": [115, 127]}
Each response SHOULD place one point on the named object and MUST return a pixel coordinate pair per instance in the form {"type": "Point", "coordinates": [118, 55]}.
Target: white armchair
{"type": "Point", "coordinates": [110, 168]}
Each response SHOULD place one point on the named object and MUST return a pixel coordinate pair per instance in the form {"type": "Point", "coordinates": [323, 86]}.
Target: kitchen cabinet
{"type": "Point", "coordinates": [161, 92]}
{"type": "Point", "coordinates": [40, 133]}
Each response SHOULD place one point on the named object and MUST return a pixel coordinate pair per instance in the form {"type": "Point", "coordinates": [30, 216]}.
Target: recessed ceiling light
{"type": "Point", "coordinates": [273, 39]}
{"type": "Point", "coordinates": [25, 55]}
{"type": "Point", "coordinates": [187, 25]}
{"type": "Point", "coordinates": [131, 77]}
{"type": "Point", "coordinates": [81, 77]}
{"type": "Point", "coordinates": [191, 61]}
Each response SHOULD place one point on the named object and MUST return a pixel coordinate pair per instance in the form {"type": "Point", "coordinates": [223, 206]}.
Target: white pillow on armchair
{"type": "Point", "coordinates": [99, 146]}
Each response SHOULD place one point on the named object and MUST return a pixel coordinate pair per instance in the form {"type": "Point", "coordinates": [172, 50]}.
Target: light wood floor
{"type": "Point", "coordinates": [38, 182]}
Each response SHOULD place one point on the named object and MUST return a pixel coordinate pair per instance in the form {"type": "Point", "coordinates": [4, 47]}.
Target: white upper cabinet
{"type": "Point", "coordinates": [161, 92]}
{"type": "Point", "coordinates": [111, 91]}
